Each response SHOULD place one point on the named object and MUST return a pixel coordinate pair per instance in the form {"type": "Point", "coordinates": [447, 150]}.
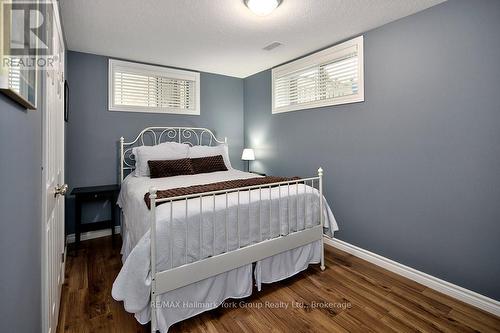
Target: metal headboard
{"type": "Point", "coordinates": [150, 136]}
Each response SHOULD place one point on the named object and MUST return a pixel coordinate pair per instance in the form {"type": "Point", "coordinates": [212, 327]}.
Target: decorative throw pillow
{"type": "Point", "coordinates": [170, 168]}
{"type": "Point", "coordinates": [208, 164]}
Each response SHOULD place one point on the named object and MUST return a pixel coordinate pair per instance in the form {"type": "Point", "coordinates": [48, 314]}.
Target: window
{"type": "Point", "coordinates": [15, 75]}
{"type": "Point", "coordinates": [143, 88]}
{"type": "Point", "coordinates": [329, 77]}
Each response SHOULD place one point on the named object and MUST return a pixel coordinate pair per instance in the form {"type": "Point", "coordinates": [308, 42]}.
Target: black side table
{"type": "Point", "coordinates": [94, 193]}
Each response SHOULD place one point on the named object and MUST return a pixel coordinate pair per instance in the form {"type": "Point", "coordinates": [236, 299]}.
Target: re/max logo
{"type": "Point", "coordinates": [166, 304]}
{"type": "Point", "coordinates": [183, 304]}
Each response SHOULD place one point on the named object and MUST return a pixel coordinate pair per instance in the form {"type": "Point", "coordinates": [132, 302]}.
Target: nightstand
{"type": "Point", "coordinates": [91, 194]}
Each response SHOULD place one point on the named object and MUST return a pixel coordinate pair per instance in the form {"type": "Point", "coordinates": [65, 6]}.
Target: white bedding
{"type": "Point", "coordinates": [133, 282]}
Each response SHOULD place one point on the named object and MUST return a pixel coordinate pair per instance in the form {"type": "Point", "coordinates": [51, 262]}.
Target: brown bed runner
{"type": "Point", "coordinates": [219, 186]}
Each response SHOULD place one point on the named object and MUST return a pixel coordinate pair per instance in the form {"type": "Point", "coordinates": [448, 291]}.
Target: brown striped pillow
{"type": "Point", "coordinates": [170, 168]}
{"type": "Point", "coordinates": [208, 164]}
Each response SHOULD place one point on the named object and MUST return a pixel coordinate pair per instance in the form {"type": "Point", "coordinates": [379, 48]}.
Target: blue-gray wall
{"type": "Point", "coordinates": [20, 218]}
{"type": "Point", "coordinates": [412, 173]}
{"type": "Point", "coordinates": [92, 132]}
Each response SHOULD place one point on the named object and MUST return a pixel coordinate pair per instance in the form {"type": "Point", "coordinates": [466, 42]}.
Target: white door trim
{"type": "Point", "coordinates": [467, 296]}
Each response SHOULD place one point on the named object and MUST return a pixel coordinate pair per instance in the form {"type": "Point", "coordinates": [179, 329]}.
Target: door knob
{"type": "Point", "coordinates": [61, 190]}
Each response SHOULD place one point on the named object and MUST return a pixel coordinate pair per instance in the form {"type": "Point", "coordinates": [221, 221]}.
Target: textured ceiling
{"type": "Point", "coordinates": [221, 36]}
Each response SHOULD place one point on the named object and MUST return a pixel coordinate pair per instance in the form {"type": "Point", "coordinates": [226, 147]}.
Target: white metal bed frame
{"type": "Point", "coordinates": [180, 276]}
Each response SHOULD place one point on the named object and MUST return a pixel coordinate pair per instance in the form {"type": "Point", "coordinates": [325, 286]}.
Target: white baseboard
{"type": "Point", "coordinates": [467, 296]}
{"type": "Point", "coordinates": [92, 234]}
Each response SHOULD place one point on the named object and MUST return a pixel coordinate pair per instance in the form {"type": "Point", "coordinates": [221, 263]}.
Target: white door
{"type": "Point", "coordinates": [53, 244]}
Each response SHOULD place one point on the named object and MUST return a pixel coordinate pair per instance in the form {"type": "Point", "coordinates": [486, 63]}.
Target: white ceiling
{"type": "Point", "coordinates": [221, 36]}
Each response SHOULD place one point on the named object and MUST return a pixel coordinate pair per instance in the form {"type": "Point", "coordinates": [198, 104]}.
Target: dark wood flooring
{"type": "Point", "coordinates": [351, 295]}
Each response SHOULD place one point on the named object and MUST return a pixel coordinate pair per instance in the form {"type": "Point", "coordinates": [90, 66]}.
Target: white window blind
{"type": "Point", "coordinates": [144, 88]}
{"type": "Point", "coordinates": [329, 77]}
{"type": "Point", "coordinates": [15, 78]}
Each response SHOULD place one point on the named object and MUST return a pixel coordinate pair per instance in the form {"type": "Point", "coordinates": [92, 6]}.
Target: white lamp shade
{"type": "Point", "coordinates": [248, 154]}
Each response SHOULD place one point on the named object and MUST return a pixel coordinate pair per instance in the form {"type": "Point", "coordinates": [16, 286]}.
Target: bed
{"type": "Point", "coordinates": [212, 245]}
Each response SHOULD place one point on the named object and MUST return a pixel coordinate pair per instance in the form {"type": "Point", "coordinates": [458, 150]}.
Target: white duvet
{"type": "Point", "coordinates": [293, 208]}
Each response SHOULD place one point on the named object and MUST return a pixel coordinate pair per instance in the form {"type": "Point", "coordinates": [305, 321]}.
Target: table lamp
{"type": "Point", "coordinates": [248, 155]}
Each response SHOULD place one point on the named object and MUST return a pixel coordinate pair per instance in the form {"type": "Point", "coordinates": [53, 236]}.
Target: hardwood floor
{"type": "Point", "coordinates": [352, 295]}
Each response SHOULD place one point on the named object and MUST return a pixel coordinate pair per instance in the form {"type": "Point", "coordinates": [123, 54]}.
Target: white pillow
{"type": "Point", "coordinates": [204, 151]}
{"type": "Point", "coordinates": [163, 151]}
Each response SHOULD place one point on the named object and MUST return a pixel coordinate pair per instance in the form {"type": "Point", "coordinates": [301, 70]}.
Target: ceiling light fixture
{"type": "Point", "coordinates": [262, 7]}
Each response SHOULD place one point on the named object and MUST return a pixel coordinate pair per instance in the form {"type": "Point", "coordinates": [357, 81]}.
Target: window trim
{"type": "Point", "coordinates": [316, 59]}
{"type": "Point", "coordinates": [154, 70]}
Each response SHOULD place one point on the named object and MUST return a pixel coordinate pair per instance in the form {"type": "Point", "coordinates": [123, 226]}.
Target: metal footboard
{"type": "Point", "coordinates": [191, 272]}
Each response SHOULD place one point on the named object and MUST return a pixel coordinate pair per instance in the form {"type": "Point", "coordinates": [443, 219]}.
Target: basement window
{"type": "Point", "coordinates": [330, 77]}
{"type": "Point", "coordinates": [137, 87]}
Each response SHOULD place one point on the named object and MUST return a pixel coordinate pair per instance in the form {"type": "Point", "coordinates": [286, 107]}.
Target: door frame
{"type": "Point", "coordinates": [43, 106]}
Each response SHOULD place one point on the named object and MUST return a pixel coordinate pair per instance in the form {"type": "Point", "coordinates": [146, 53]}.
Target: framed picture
{"type": "Point", "coordinates": [18, 65]}
{"type": "Point", "coordinates": [66, 100]}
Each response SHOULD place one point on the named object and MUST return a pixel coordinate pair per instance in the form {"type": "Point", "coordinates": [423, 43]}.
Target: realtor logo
{"type": "Point", "coordinates": [24, 28]}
